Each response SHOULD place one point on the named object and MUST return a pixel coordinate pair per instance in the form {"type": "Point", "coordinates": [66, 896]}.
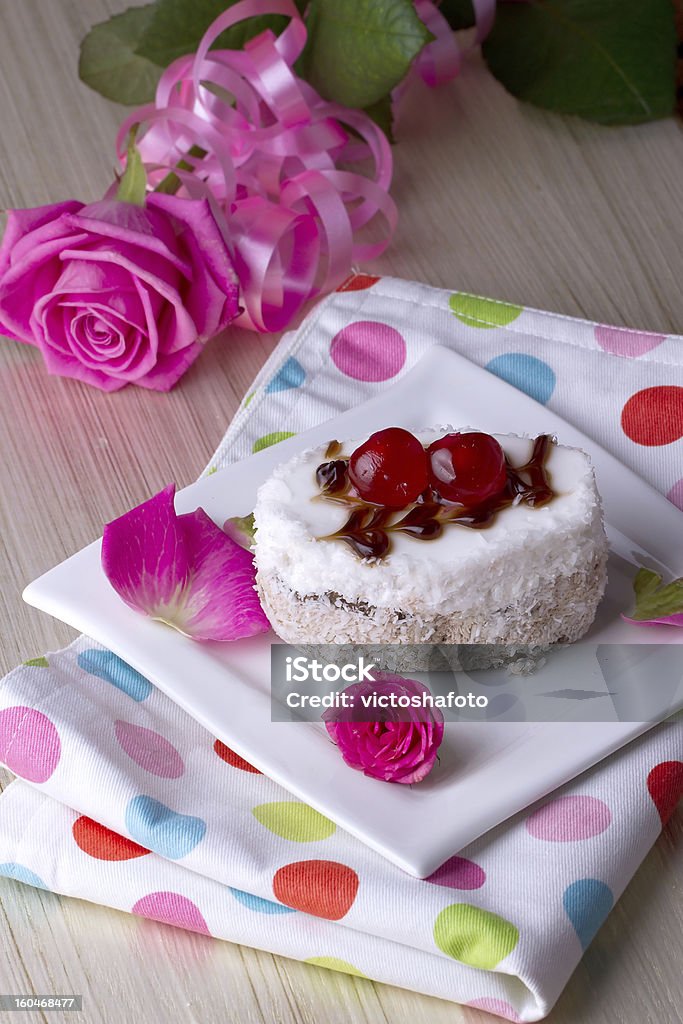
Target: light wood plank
{"type": "Point", "coordinates": [494, 198]}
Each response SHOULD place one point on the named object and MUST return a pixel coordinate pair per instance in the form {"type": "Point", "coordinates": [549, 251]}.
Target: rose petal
{"type": "Point", "coordinates": [182, 570]}
{"type": "Point", "coordinates": [59, 326]}
{"type": "Point", "coordinates": [169, 369]}
{"type": "Point", "coordinates": [145, 558]}
{"type": "Point", "coordinates": [125, 224]}
{"type": "Point", "coordinates": [91, 340]}
{"type": "Point", "coordinates": [127, 264]}
{"type": "Point", "coordinates": [21, 222]}
{"type": "Point", "coordinates": [108, 317]}
{"type": "Point", "coordinates": [28, 277]}
{"type": "Point", "coordinates": [182, 331]}
{"type": "Point", "coordinates": [123, 303]}
{"type": "Point", "coordinates": [665, 620]}
{"type": "Point", "coordinates": [44, 246]}
{"type": "Point", "coordinates": [221, 602]}
{"type": "Point", "coordinates": [62, 364]}
{"type": "Point", "coordinates": [211, 262]}
{"type": "Point", "coordinates": [87, 278]}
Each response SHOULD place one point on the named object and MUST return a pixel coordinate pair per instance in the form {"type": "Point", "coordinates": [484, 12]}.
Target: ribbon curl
{"type": "Point", "coordinates": [240, 127]}
{"type": "Point", "coordinates": [285, 170]}
{"type": "Point", "coordinates": [439, 61]}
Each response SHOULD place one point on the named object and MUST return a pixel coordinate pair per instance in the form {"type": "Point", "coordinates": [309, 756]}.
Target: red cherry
{"type": "Point", "coordinates": [467, 468]}
{"type": "Point", "coordinates": [390, 468]}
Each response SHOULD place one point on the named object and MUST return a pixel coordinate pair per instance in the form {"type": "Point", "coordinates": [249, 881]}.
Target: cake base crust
{"type": "Point", "coordinates": [559, 612]}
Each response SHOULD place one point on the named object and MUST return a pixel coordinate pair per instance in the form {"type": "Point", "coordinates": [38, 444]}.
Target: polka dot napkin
{"type": "Point", "coordinates": [124, 800]}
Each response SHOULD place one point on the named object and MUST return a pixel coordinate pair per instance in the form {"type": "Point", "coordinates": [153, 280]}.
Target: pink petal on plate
{"type": "Point", "coordinates": [666, 620]}
{"type": "Point", "coordinates": [182, 570]}
{"type": "Point", "coordinates": [220, 600]}
{"type": "Point", "coordinates": [145, 557]}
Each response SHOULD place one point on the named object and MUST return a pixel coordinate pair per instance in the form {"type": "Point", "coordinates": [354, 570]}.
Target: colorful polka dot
{"type": "Point", "coordinates": [665, 786]}
{"type": "Point", "coordinates": [157, 827]}
{"type": "Point", "coordinates": [103, 844]}
{"type": "Point", "coordinates": [29, 743]}
{"type": "Point", "coordinates": [172, 908]}
{"type": "Point", "coordinates": [113, 670]}
{"type": "Point", "coordinates": [258, 904]}
{"type": "Point", "coordinates": [526, 373]}
{"type": "Point", "coordinates": [333, 963]}
{"type": "Point", "coordinates": [21, 874]}
{"type": "Point", "coordinates": [487, 313]}
{"type": "Point", "coordinates": [270, 439]}
{"type": "Point", "coordinates": [474, 936]}
{"type": "Point", "coordinates": [234, 760]}
{"type": "Point", "coordinates": [295, 821]}
{"type": "Point", "coordinates": [587, 902]}
{"type": "Point", "coordinates": [497, 1006]}
{"type": "Point", "coordinates": [621, 342]}
{"type": "Point", "coordinates": [368, 350]}
{"type": "Point", "coordinates": [654, 416]}
{"type": "Point", "coordinates": [37, 663]}
{"type": "Point", "coordinates": [675, 495]}
{"type": "Point", "coordinates": [290, 375]}
{"type": "Point", "coordinates": [569, 819]}
{"type": "Point", "coordinates": [323, 888]}
{"type": "Point", "coordinates": [458, 873]}
{"type": "Point", "coordinates": [152, 752]}
{"type": "Point", "coordinates": [358, 283]}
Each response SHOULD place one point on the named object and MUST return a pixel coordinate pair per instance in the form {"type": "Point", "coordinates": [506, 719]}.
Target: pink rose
{"type": "Point", "coordinates": [401, 748]}
{"type": "Point", "coordinates": [114, 293]}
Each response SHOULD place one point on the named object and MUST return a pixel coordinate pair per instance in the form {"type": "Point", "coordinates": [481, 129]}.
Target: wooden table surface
{"type": "Point", "coordinates": [495, 198]}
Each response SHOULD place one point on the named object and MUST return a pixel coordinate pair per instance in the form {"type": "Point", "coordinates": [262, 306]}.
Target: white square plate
{"type": "Point", "coordinates": [487, 771]}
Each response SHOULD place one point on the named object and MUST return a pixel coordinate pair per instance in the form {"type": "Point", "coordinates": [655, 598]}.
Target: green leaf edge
{"type": "Point", "coordinates": [607, 114]}
{"type": "Point", "coordinates": [101, 81]}
{"type": "Point", "coordinates": [655, 600]}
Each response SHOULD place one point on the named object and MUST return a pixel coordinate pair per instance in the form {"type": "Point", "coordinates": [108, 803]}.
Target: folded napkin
{"type": "Point", "coordinates": [125, 800]}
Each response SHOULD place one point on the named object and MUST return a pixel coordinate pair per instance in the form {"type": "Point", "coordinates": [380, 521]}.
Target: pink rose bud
{"type": "Point", "coordinates": [114, 293]}
{"type": "Point", "coordinates": [403, 746]}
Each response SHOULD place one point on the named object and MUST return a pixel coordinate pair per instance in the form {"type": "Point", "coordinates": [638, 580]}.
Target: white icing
{"type": "Point", "coordinates": [461, 569]}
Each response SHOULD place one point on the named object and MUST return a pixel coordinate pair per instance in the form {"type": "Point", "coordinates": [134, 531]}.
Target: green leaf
{"type": "Point", "coordinates": [176, 27]}
{"type": "Point", "coordinates": [133, 184]}
{"type": "Point", "coordinates": [611, 61]}
{"type": "Point", "coordinates": [382, 114]}
{"type": "Point", "coordinates": [359, 50]}
{"type": "Point", "coordinates": [241, 529]}
{"type": "Point", "coordinates": [458, 13]}
{"type": "Point", "coordinates": [646, 582]}
{"type": "Point", "coordinates": [655, 600]}
{"type": "Point", "coordinates": [109, 64]}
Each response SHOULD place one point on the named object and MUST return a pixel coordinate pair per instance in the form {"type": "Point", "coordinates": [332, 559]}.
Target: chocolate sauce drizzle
{"type": "Point", "coordinates": [368, 527]}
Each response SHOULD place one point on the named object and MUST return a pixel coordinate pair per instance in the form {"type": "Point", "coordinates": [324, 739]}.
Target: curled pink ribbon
{"type": "Point", "coordinates": [242, 129]}
{"type": "Point", "coordinates": [439, 61]}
